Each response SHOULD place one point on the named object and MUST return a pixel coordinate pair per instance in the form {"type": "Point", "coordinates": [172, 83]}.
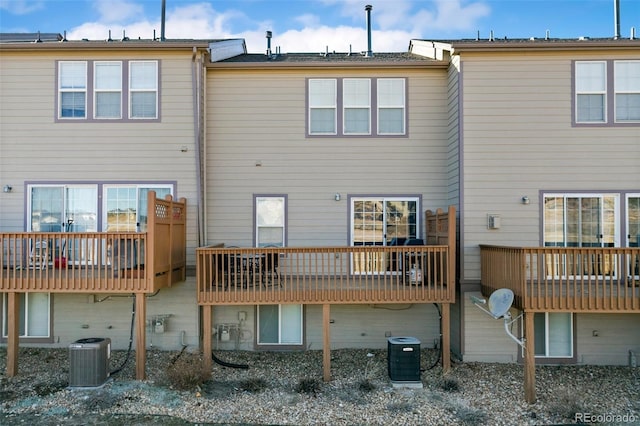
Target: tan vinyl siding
{"type": "Point", "coordinates": [617, 335]}
{"type": "Point", "coordinates": [87, 150]}
{"type": "Point", "coordinates": [484, 338]}
{"type": "Point", "coordinates": [259, 117]}
{"type": "Point", "coordinates": [110, 316]}
{"type": "Point", "coordinates": [518, 140]}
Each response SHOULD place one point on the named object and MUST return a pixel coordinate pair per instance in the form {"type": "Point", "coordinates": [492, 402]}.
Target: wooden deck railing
{"type": "Point", "coordinates": [369, 274]}
{"type": "Point", "coordinates": [564, 279]}
{"type": "Point", "coordinates": [99, 262]}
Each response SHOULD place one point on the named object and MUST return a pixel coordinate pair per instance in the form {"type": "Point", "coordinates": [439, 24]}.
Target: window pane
{"type": "Point", "coordinates": [72, 105]}
{"type": "Point", "coordinates": [391, 121]}
{"type": "Point", "coordinates": [291, 327]}
{"type": "Point", "coordinates": [322, 121]}
{"type": "Point", "coordinates": [268, 324]}
{"type": "Point", "coordinates": [591, 108]}
{"type": "Point", "coordinates": [540, 334]}
{"type": "Point", "coordinates": [322, 93]}
{"type": "Point", "coordinates": [121, 209]}
{"type": "Point", "coordinates": [38, 314]}
{"type": "Point", "coordinates": [356, 93]}
{"type": "Point", "coordinates": [144, 76]}
{"type": "Point", "coordinates": [627, 75]}
{"type": "Point", "coordinates": [560, 344]}
{"type": "Point", "coordinates": [143, 104]}
{"type": "Point", "coordinates": [356, 120]}
{"type": "Point", "coordinates": [108, 76]}
{"type": "Point", "coordinates": [390, 92]}
{"type": "Point", "coordinates": [73, 75]}
{"type": "Point", "coordinates": [628, 107]}
{"type": "Point", "coordinates": [108, 105]}
{"type": "Point", "coordinates": [590, 77]}
{"type": "Point", "coordinates": [270, 221]}
{"type": "Point", "coordinates": [46, 209]}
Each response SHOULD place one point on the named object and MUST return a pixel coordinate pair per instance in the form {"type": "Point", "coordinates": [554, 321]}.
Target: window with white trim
{"type": "Point", "coordinates": [107, 89]}
{"type": "Point", "coordinates": [72, 89]}
{"type": "Point", "coordinates": [391, 106]}
{"type": "Point", "coordinates": [322, 106]}
{"type": "Point", "coordinates": [280, 325]}
{"type": "Point", "coordinates": [143, 89]}
{"type": "Point", "coordinates": [591, 92]}
{"type": "Point", "coordinates": [34, 315]}
{"type": "Point", "coordinates": [553, 336]}
{"type": "Point", "coordinates": [627, 90]}
{"type": "Point", "coordinates": [356, 95]}
{"type": "Point", "coordinates": [270, 220]}
{"type": "Point", "coordinates": [357, 107]}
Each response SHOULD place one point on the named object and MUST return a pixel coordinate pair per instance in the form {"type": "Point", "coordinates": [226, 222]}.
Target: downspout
{"type": "Point", "coordinates": [197, 89]}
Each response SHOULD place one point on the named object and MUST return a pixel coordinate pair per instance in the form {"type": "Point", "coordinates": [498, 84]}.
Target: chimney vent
{"type": "Point", "coordinates": [616, 19]}
{"type": "Point", "coordinates": [367, 9]}
{"type": "Point", "coordinates": [268, 35]}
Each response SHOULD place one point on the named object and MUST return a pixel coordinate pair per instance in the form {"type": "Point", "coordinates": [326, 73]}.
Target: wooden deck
{"type": "Point", "coordinates": [555, 279]}
{"type": "Point", "coordinates": [136, 263]}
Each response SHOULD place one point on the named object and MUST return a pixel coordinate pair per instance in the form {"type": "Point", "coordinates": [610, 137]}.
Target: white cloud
{"type": "Point", "coordinates": [339, 39]}
{"type": "Point", "coordinates": [114, 11]}
{"type": "Point", "coordinates": [394, 23]}
{"type": "Point", "coordinates": [21, 7]}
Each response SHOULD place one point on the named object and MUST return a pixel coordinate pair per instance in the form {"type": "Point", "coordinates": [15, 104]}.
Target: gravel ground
{"type": "Point", "coordinates": [287, 389]}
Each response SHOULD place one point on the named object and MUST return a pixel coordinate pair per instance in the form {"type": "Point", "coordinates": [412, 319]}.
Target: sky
{"type": "Point", "coordinates": [318, 25]}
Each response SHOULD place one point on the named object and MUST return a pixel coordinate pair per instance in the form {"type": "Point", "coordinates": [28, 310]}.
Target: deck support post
{"type": "Point", "coordinates": [529, 359]}
{"type": "Point", "coordinates": [446, 338]}
{"type": "Point", "coordinates": [207, 315]}
{"type": "Point", "coordinates": [13, 336]}
{"type": "Point", "coordinates": [326, 342]}
{"type": "Point", "coordinates": [141, 344]}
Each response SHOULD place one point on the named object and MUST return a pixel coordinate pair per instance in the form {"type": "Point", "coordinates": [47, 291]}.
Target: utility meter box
{"type": "Point", "coordinates": [403, 359]}
{"type": "Point", "coordinates": [89, 362]}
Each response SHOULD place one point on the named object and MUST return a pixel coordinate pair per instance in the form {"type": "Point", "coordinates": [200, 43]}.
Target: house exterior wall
{"type": "Point", "coordinates": [518, 140]}
{"type": "Point", "coordinates": [259, 117]}
{"type": "Point", "coordinates": [617, 334]}
{"type": "Point", "coordinates": [34, 147]}
{"type": "Point", "coordinates": [83, 150]}
{"type": "Point", "coordinates": [79, 316]}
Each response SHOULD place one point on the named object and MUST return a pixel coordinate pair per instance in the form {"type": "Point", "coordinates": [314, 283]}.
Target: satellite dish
{"type": "Point", "coordinates": [500, 302]}
{"type": "Point", "coordinates": [499, 305]}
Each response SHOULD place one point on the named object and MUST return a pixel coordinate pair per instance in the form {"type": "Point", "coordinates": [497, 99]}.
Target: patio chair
{"type": "Point", "coordinates": [270, 274]}
{"type": "Point", "coordinates": [39, 255]}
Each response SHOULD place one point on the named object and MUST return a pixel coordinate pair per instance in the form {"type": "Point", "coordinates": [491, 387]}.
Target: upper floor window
{"type": "Point", "coordinates": [357, 107]}
{"type": "Point", "coordinates": [607, 92]}
{"type": "Point", "coordinates": [627, 88]}
{"type": "Point", "coordinates": [143, 89]}
{"type": "Point", "coordinates": [108, 90]}
{"type": "Point", "coordinates": [72, 89]}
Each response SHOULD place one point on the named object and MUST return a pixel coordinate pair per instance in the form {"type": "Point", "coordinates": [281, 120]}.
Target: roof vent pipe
{"type": "Point", "coordinates": [162, 19]}
{"type": "Point", "coordinates": [367, 9]}
{"type": "Point", "coordinates": [616, 19]}
{"type": "Point", "coordinates": [632, 36]}
{"type": "Point", "coordinates": [547, 34]}
{"type": "Point", "coordinates": [268, 36]}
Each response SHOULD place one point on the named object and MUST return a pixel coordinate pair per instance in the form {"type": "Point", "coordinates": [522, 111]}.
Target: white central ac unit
{"type": "Point", "coordinates": [89, 359]}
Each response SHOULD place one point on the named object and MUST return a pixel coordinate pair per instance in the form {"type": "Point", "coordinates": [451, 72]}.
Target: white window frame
{"type": "Point", "coordinates": [385, 104]}
{"type": "Point", "coordinates": [320, 101]}
{"type": "Point", "coordinates": [140, 224]}
{"type": "Point", "coordinates": [354, 99]}
{"type": "Point", "coordinates": [281, 323]}
{"type": "Point", "coordinates": [270, 219]}
{"type": "Point", "coordinates": [144, 85]}
{"type": "Point", "coordinates": [106, 87]}
{"type": "Point", "coordinates": [74, 87]}
{"type": "Point", "coordinates": [26, 318]}
{"type": "Point", "coordinates": [630, 86]}
{"type": "Point", "coordinates": [549, 345]}
{"type": "Point", "coordinates": [583, 88]}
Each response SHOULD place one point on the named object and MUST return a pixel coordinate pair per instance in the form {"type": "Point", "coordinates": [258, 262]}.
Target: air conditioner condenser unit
{"type": "Point", "coordinates": [89, 362]}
